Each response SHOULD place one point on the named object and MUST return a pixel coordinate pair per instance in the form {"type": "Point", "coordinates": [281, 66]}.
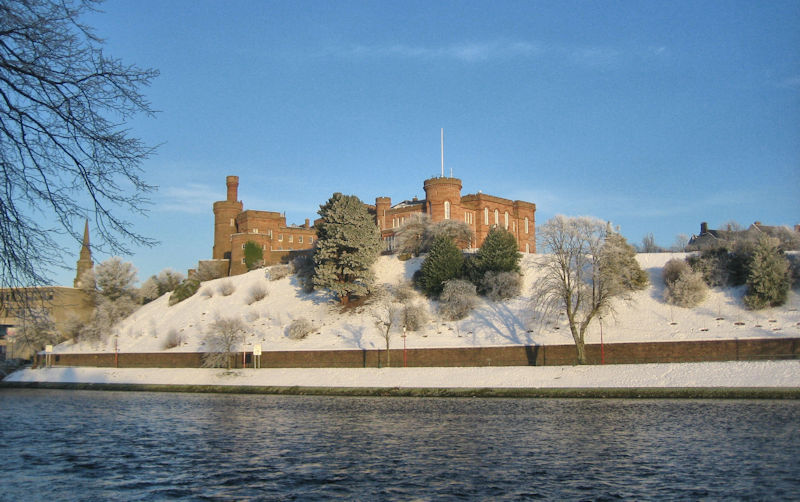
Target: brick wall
{"type": "Point", "coordinates": [537, 355]}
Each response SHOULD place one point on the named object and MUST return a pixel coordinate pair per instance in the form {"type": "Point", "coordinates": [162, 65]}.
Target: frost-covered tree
{"type": "Point", "coordinates": [444, 262]}
{"type": "Point", "coordinates": [649, 244]}
{"type": "Point", "coordinates": [112, 285]}
{"type": "Point", "coordinates": [577, 277]}
{"type": "Point", "coordinates": [156, 285]}
{"type": "Point", "coordinates": [387, 314]}
{"type": "Point", "coordinates": [768, 279]}
{"type": "Point", "coordinates": [618, 267]}
{"type": "Point", "coordinates": [457, 300]}
{"type": "Point", "coordinates": [457, 231]}
{"type": "Point", "coordinates": [348, 243]}
{"type": "Point", "coordinates": [36, 329]}
{"type": "Point", "coordinates": [223, 337]}
{"type": "Point", "coordinates": [410, 236]}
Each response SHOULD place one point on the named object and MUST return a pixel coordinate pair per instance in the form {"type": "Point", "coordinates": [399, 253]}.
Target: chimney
{"type": "Point", "coordinates": [703, 228]}
{"type": "Point", "coordinates": [233, 188]}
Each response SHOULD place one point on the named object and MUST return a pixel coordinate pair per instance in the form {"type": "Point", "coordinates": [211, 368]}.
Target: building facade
{"type": "Point", "coordinates": [234, 226]}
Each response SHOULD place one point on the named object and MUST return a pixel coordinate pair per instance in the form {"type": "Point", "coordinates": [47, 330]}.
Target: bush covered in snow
{"type": "Point", "coordinates": [257, 293]}
{"type": "Point", "coordinates": [499, 286]}
{"type": "Point", "coordinates": [222, 339]}
{"type": "Point", "coordinates": [415, 316]}
{"type": "Point", "coordinates": [226, 288]}
{"type": "Point", "coordinates": [457, 300]}
{"type": "Point", "coordinates": [278, 272]}
{"type": "Point", "coordinates": [173, 339]}
{"type": "Point", "coordinates": [768, 278]}
{"type": "Point", "coordinates": [300, 328]}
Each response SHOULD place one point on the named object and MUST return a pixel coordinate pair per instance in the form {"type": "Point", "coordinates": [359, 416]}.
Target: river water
{"type": "Point", "coordinates": [84, 445]}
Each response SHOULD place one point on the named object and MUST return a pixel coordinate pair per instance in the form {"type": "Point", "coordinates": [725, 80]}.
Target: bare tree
{"type": "Point", "coordinates": [411, 235]}
{"type": "Point", "coordinates": [583, 271]}
{"type": "Point", "coordinates": [64, 150]}
{"type": "Point", "coordinates": [387, 314]}
{"type": "Point", "coordinates": [223, 336]}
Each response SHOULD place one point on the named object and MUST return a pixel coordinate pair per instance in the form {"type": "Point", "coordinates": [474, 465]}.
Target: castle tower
{"type": "Point", "coordinates": [225, 212]}
{"type": "Point", "coordinates": [443, 198]}
{"type": "Point", "coordinates": [382, 206]}
{"type": "Point", "coordinates": [85, 258]}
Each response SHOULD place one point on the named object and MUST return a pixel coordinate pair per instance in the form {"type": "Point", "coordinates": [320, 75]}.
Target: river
{"type": "Point", "coordinates": [85, 445]}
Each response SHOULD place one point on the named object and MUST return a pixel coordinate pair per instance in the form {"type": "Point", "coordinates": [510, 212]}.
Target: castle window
{"type": "Point", "coordinates": [280, 237]}
{"type": "Point", "coordinates": [300, 239]}
{"type": "Point", "coordinates": [505, 220]}
{"type": "Point", "coordinates": [526, 224]}
{"type": "Point", "coordinates": [447, 210]}
{"type": "Point", "coordinates": [291, 238]}
{"type": "Point", "coordinates": [242, 246]}
{"type": "Point", "coordinates": [496, 217]}
{"type": "Point", "coordinates": [527, 248]}
{"type": "Point", "coordinates": [232, 222]}
{"type": "Point", "coordinates": [485, 215]}
{"type": "Point", "coordinates": [242, 261]}
{"type": "Point", "coordinates": [255, 230]}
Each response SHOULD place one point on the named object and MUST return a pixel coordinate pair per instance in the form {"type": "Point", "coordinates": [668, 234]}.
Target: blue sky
{"type": "Point", "coordinates": [652, 115]}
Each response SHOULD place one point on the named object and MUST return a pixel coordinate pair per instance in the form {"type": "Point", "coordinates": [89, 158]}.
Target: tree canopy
{"type": "Point", "coordinates": [348, 243]}
{"type": "Point", "coordinates": [65, 152]}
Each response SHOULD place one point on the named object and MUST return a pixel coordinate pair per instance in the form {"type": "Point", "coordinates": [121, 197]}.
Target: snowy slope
{"type": "Point", "coordinates": [644, 318]}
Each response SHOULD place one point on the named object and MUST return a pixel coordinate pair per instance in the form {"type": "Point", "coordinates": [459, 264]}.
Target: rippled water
{"type": "Point", "coordinates": [71, 445]}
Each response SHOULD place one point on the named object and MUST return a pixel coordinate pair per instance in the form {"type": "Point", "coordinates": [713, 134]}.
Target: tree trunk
{"type": "Point", "coordinates": [581, 350]}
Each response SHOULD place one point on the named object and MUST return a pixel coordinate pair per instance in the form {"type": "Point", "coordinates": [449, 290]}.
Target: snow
{"type": "Point", "coordinates": [645, 317]}
{"type": "Point", "coordinates": [742, 374]}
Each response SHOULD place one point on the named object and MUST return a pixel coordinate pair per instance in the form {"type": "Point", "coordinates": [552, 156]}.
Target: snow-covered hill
{"type": "Point", "coordinates": [645, 318]}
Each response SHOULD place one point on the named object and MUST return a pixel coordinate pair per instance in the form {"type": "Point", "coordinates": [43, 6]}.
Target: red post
{"type": "Point", "coordinates": [602, 348]}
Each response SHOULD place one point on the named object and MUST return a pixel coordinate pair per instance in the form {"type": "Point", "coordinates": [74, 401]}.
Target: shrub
{"type": "Point", "coordinates": [257, 293]}
{"type": "Point", "coordinates": [174, 339]}
{"type": "Point", "coordinates": [457, 300]}
{"type": "Point", "coordinates": [688, 290]}
{"type": "Point", "coordinates": [768, 277]}
{"type": "Point", "coordinates": [253, 255]}
{"type": "Point", "coordinates": [207, 293]}
{"type": "Point", "coordinates": [226, 288]}
{"type": "Point", "coordinates": [444, 262]}
{"type": "Point", "coordinates": [713, 265]}
{"type": "Point", "coordinates": [499, 286]}
{"type": "Point", "coordinates": [673, 269]}
{"type": "Point", "coordinates": [300, 328]}
{"type": "Point", "coordinates": [404, 292]}
{"type": "Point", "coordinates": [498, 253]}
{"type": "Point", "coordinates": [278, 272]}
{"type": "Point", "coordinates": [415, 316]}
{"type": "Point", "coordinates": [186, 289]}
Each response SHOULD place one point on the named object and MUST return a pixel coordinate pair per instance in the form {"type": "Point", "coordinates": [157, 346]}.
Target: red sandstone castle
{"type": "Point", "coordinates": [234, 226]}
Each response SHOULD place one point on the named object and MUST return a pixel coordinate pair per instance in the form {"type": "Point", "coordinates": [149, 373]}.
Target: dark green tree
{"type": "Point", "coordinates": [444, 262]}
{"type": "Point", "coordinates": [498, 253]}
{"type": "Point", "coordinates": [348, 243]}
{"type": "Point", "coordinates": [253, 255]}
{"type": "Point", "coordinates": [768, 278]}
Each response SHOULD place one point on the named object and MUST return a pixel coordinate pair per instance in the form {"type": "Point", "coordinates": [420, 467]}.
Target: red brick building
{"type": "Point", "coordinates": [234, 226]}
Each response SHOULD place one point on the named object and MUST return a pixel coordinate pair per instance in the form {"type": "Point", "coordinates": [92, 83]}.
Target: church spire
{"type": "Point", "coordinates": [85, 259]}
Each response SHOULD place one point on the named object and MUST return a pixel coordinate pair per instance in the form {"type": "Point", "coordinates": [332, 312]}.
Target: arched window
{"type": "Point", "coordinates": [505, 220]}
{"type": "Point", "coordinates": [486, 216]}
{"type": "Point", "coordinates": [526, 224]}
{"type": "Point", "coordinates": [496, 217]}
{"type": "Point", "coordinates": [447, 210]}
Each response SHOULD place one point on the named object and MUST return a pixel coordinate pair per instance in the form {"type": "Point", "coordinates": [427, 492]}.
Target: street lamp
{"type": "Point", "coordinates": [405, 360]}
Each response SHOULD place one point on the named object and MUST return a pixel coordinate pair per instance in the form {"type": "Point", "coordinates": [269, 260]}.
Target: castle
{"type": "Point", "coordinates": [234, 226]}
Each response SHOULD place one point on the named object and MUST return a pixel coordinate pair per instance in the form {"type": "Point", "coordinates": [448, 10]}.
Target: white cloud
{"type": "Point", "coordinates": [193, 198]}
{"type": "Point", "coordinates": [468, 52]}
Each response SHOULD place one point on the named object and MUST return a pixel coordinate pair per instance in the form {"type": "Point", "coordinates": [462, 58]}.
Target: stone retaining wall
{"type": "Point", "coordinates": [533, 355]}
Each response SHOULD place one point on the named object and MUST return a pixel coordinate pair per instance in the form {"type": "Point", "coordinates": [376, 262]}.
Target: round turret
{"type": "Point", "coordinates": [225, 213]}
{"type": "Point", "coordinates": [443, 197]}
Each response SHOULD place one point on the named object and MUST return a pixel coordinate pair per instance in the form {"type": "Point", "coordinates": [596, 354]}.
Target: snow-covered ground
{"type": "Point", "coordinates": [646, 317]}
{"type": "Point", "coordinates": [687, 375]}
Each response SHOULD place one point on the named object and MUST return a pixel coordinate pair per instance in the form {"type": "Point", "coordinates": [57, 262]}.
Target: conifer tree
{"type": "Point", "coordinates": [619, 269]}
{"type": "Point", "coordinates": [348, 243]}
{"type": "Point", "coordinates": [768, 276]}
{"type": "Point", "coordinates": [498, 253]}
{"type": "Point", "coordinates": [253, 255]}
{"type": "Point", "coordinates": [444, 262]}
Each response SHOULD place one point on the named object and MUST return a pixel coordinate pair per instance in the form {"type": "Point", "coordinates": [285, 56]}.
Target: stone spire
{"type": "Point", "coordinates": [85, 259]}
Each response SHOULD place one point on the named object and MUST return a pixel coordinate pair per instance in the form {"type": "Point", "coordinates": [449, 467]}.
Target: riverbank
{"type": "Point", "coordinates": [709, 379]}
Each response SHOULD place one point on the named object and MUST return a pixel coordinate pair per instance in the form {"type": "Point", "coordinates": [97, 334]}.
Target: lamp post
{"type": "Point", "coordinates": [405, 360]}
{"type": "Point", "coordinates": [602, 348]}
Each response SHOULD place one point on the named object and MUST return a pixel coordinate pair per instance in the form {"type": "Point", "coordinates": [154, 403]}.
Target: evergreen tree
{"type": "Point", "coordinates": [498, 253]}
{"type": "Point", "coordinates": [768, 276]}
{"type": "Point", "coordinates": [348, 243]}
{"type": "Point", "coordinates": [444, 262]}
